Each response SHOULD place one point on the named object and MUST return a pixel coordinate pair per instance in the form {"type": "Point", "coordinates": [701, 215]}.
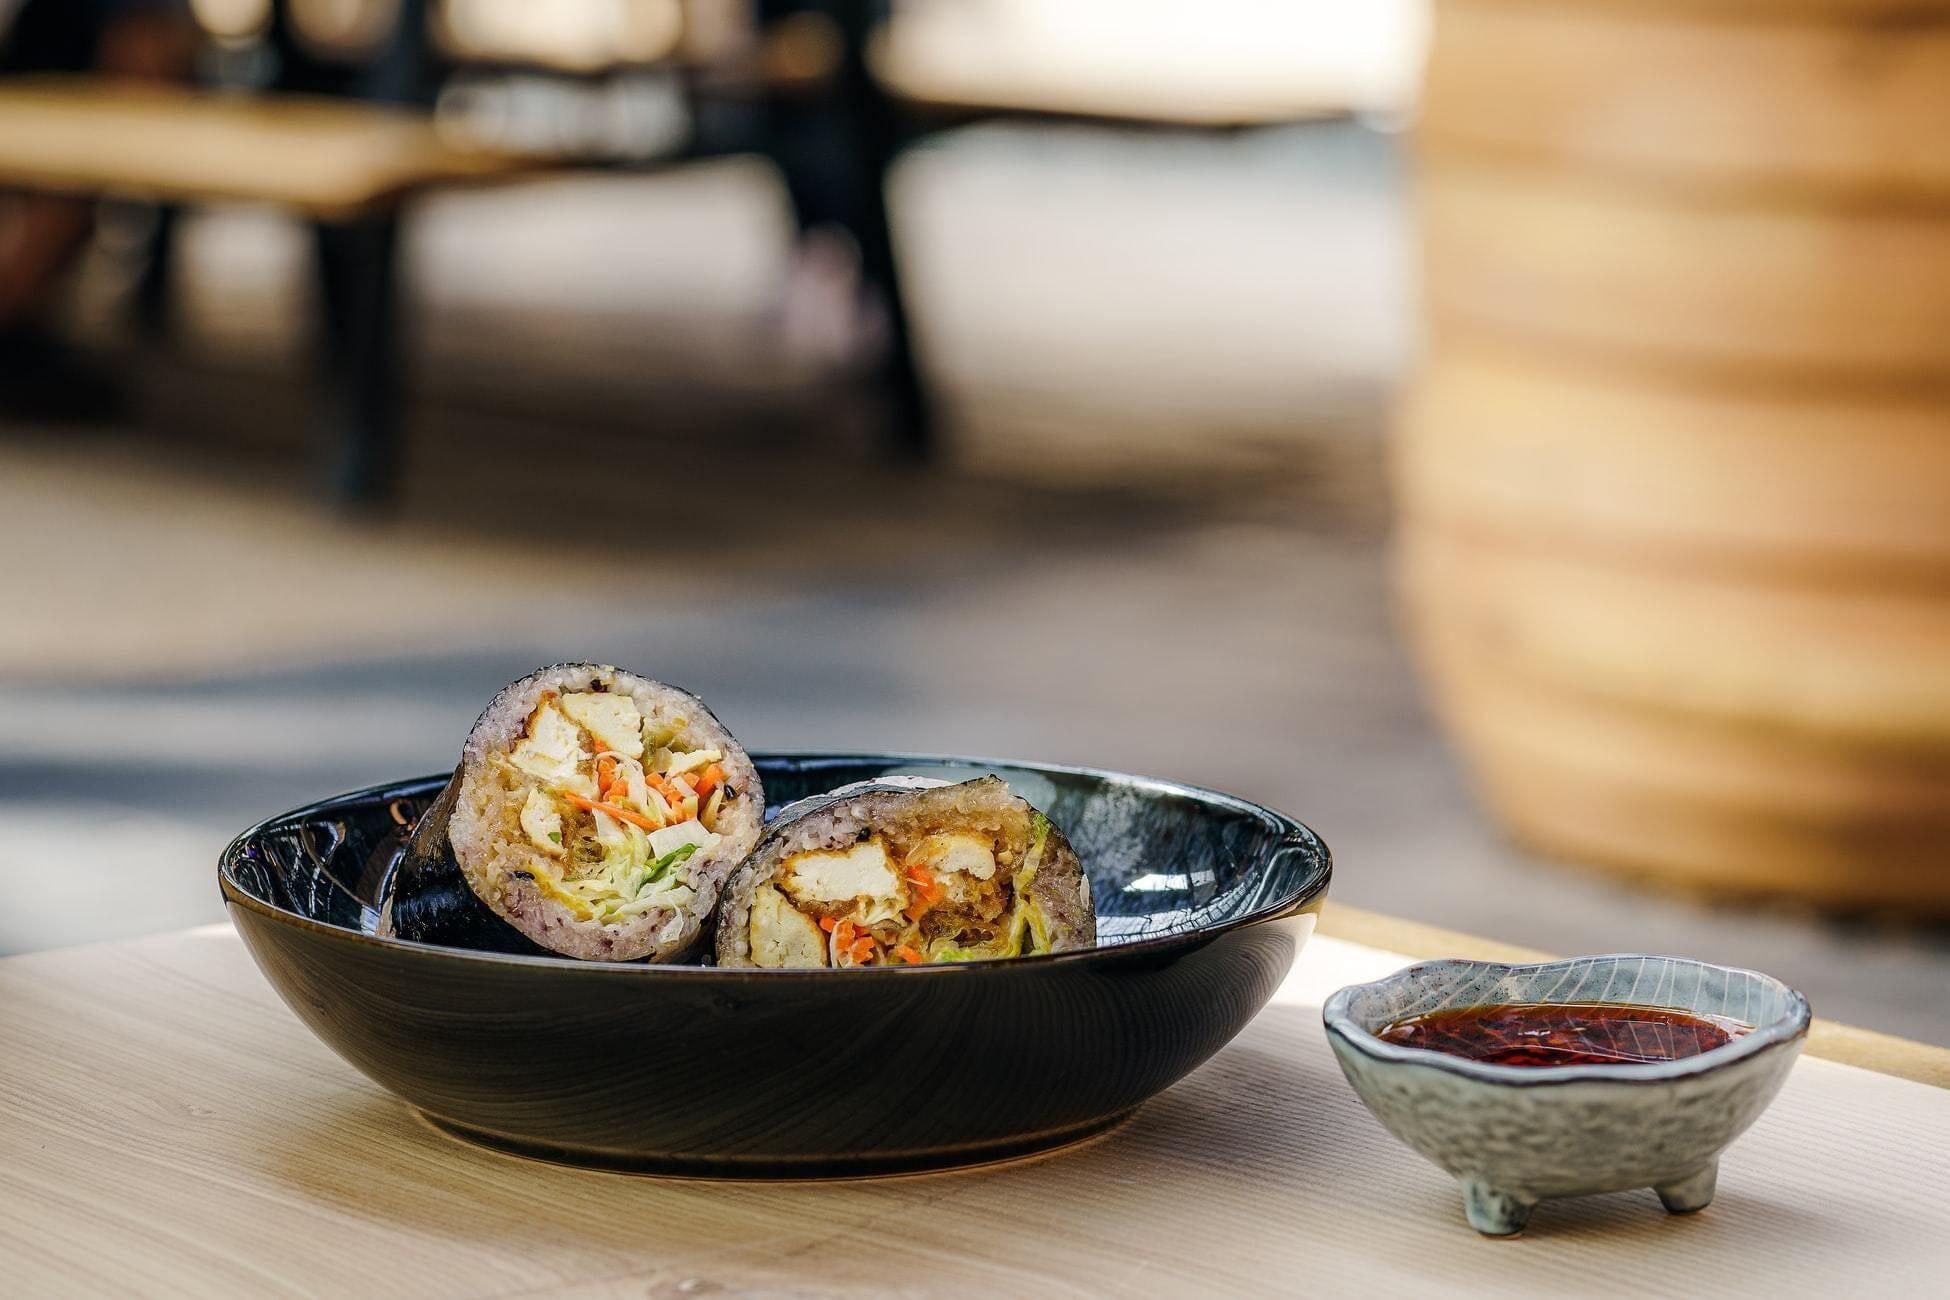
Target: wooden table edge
{"type": "Point", "coordinates": [376, 201]}
{"type": "Point", "coordinates": [1827, 1039]}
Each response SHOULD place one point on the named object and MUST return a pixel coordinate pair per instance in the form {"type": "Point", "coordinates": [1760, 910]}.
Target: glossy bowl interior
{"type": "Point", "coordinates": [1203, 901]}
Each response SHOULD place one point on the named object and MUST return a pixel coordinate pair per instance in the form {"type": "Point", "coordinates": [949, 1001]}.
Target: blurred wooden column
{"type": "Point", "coordinates": [1675, 474]}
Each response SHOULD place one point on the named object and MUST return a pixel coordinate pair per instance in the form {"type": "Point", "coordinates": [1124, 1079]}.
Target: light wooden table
{"type": "Point", "coordinates": [168, 1128]}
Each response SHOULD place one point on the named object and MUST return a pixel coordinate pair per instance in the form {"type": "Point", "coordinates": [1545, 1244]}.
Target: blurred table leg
{"type": "Point", "coordinates": [359, 371]}
{"type": "Point", "coordinates": [834, 147]}
{"type": "Point", "coordinates": [153, 303]}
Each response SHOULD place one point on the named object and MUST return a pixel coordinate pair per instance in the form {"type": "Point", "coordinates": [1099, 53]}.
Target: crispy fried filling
{"type": "Point", "coordinates": [937, 895]}
{"type": "Point", "coordinates": [613, 804]}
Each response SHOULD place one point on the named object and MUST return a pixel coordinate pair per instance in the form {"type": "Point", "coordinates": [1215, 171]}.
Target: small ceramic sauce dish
{"type": "Point", "coordinates": [1671, 1060]}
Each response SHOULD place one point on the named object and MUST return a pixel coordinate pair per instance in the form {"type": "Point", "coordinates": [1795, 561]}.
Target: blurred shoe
{"type": "Point", "coordinates": [43, 381]}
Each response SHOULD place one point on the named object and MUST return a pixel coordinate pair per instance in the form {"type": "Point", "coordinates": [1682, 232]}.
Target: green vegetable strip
{"type": "Point", "coordinates": [662, 866]}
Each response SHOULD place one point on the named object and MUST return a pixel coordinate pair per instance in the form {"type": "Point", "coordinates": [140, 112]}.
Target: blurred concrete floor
{"type": "Point", "coordinates": [1159, 545]}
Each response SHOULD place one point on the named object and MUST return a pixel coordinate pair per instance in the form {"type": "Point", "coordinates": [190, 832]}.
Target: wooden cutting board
{"type": "Point", "coordinates": [1694, 804]}
{"type": "Point", "coordinates": [1676, 95]}
{"type": "Point", "coordinates": [1697, 282]}
{"type": "Point", "coordinates": [1859, 667]}
{"type": "Point", "coordinates": [1824, 484]}
{"type": "Point", "coordinates": [1675, 477]}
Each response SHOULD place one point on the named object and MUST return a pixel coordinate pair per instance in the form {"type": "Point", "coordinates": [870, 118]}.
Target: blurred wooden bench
{"type": "Point", "coordinates": [329, 159]}
{"type": "Point", "coordinates": [346, 166]}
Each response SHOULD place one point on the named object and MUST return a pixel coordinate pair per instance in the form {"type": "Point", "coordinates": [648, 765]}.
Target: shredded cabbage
{"type": "Point", "coordinates": [694, 761]}
{"type": "Point", "coordinates": [671, 838]}
{"type": "Point", "coordinates": [623, 871]}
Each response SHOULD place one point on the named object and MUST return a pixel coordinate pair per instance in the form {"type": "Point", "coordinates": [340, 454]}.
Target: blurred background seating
{"type": "Point", "coordinates": [815, 85]}
{"type": "Point", "coordinates": [350, 168]}
{"type": "Point", "coordinates": [1144, 294]}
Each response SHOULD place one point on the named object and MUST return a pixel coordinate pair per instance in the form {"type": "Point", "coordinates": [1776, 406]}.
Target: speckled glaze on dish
{"type": "Point", "coordinates": [1515, 1135]}
{"type": "Point", "coordinates": [1203, 901]}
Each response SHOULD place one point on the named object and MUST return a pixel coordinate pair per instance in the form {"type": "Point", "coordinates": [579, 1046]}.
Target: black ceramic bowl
{"type": "Point", "coordinates": [1203, 901]}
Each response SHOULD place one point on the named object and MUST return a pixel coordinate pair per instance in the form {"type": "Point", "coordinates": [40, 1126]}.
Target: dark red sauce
{"type": "Point", "coordinates": [1563, 1034]}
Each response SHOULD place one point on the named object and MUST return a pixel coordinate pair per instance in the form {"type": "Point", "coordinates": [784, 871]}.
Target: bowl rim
{"type": "Point", "coordinates": [1789, 1027]}
{"type": "Point", "coordinates": [1293, 833]}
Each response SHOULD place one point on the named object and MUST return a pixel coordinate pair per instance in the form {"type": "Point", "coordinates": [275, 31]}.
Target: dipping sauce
{"type": "Point", "coordinates": [1563, 1033]}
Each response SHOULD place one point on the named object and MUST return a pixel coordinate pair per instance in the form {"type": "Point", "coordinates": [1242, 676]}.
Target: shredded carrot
{"type": "Point", "coordinates": [713, 778]}
{"type": "Point", "coordinates": [605, 770]}
{"type": "Point", "coordinates": [850, 941]}
{"type": "Point", "coordinates": [926, 891]}
{"type": "Point", "coordinates": [620, 814]}
{"type": "Point", "coordinates": [907, 953]}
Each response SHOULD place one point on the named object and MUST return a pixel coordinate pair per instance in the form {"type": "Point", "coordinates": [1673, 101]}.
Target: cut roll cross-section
{"type": "Point", "coordinates": [887, 874]}
{"type": "Point", "coordinates": [595, 814]}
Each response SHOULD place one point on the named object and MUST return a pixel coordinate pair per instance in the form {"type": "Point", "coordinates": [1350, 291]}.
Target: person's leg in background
{"type": "Point", "coordinates": [844, 302]}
